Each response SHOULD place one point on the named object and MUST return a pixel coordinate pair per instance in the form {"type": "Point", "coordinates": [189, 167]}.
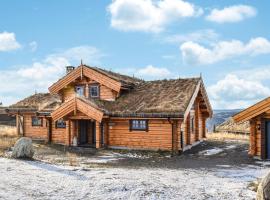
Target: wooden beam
{"type": "Point", "coordinates": [253, 111]}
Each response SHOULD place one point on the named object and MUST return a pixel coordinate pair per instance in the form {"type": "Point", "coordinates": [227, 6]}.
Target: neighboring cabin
{"type": "Point", "coordinates": [258, 116]}
{"type": "Point", "coordinates": [99, 108]}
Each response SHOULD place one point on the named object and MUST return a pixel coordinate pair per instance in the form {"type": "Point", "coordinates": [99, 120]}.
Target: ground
{"type": "Point", "coordinates": [211, 170]}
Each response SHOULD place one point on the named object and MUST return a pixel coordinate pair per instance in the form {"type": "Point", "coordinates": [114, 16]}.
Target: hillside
{"type": "Point", "coordinates": [232, 127]}
{"type": "Point", "coordinates": [220, 116]}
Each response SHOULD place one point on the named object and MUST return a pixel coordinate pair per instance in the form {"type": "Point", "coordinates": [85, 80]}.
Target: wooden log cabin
{"type": "Point", "coordinates": [258, 116]}
{"type": "Point", "coordinates": [93, 107]}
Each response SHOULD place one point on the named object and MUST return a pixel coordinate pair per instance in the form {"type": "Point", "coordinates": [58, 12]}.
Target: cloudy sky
{"type": "Point", "coordinates": [227, 41]}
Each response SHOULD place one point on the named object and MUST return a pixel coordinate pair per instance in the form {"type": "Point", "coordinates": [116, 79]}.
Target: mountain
{"type": "Point", "coordinates": [219, 117]}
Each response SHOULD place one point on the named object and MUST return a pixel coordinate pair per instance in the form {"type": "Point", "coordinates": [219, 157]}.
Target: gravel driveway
{"type": "Point", "coordinates": [211, 170]}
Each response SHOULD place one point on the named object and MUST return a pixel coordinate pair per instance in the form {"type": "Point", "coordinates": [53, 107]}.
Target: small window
{"type": "Point", "coordinates": [192, 124]}
{"type": "Point", "coordinates": [138, 125]}
{"type": "Point", "coordinates": [60, 124]}
{"type": "Point", "coordinates": [36, 121]}
{"type": "Point", "coordinates": [94, 91]}
{"type": "Point", "coordinates": [79, 90]}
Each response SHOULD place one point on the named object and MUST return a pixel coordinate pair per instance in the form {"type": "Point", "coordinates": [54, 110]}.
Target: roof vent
{"type": "Point", "coordinates": [69, 69]}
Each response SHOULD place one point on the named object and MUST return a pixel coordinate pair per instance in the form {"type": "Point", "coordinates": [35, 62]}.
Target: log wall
{"type": "Point", "coordinates": [104, 92]}
{"type": "Point", "coordinates": [158, 137]}
{"type": "Point", "coordinates": [34, 132]}
{"type": "Point", "coordinates": [58, 134]}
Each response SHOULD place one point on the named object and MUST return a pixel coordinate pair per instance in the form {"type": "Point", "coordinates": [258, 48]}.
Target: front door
{"type": "Point", "coordinates": [267, 131]}
{"type": "Point", "coordinates": [83, 132]}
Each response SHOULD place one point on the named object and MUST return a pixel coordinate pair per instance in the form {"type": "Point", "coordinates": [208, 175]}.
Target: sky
{"type": "Point", "coordinates": [228, 42]}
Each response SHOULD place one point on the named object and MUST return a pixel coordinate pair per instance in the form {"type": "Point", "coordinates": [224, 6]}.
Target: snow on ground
{"type": "Point", "coordinates": [210, 152]}
{"type": "Point", "coordinates": [37, 180]}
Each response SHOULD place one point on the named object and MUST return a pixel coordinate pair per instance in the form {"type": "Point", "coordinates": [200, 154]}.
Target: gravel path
{"type": "Point", "coordinates": [212, 170]}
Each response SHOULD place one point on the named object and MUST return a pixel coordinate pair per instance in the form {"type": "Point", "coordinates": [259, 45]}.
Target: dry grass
{"type": "Point", "coordinates": [227, 136]}
{"type": "Point", "coordinates": [7, 131]}
{"type": "Point", "coordinates": [8, 137]}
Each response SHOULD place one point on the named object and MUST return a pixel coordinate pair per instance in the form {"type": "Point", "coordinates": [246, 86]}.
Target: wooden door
{"type": "Point", "coordinates": [267, 131]}
{"type": "Point", "coordinates": [83, 132]}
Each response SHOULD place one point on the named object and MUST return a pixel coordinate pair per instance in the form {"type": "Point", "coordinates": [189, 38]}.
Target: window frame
{"type": "Point", "coordinates": [83, 92]}
{"type": "Point", "coordinates": [98, 91]}
{"type": "Point", "coordinates": [38, 118]}
{"type": "Point", "coordinates": [62, 127]}
{"type": "Point", "coordinates": [131, 123]}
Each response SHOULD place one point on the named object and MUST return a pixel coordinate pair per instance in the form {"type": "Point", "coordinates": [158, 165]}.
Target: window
{"type": "Point", "coordinates": [192, 124]}
{"type": "Point", "coordinates": [79, 90]}
{"type": "Point", "coordinates": [138, 125]}
{"type": "Point", "coordinates": [94, 91]}
{"type": "Point", "coordinates": [60, 124]}
{"type": "Point", "coordinates": [36, 121]}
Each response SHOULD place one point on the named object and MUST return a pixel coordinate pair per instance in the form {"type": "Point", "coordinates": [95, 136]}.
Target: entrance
{"type": "Point", "coordinates": [87, 133]}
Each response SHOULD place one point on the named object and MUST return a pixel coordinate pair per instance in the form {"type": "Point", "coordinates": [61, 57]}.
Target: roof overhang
{"type": "Point", "coordinates": [199, 88]}
{"type": "Point", "coordinates": [253, 111]}
{"type": "Point", "coordinates": [20, 110]}
{"type": "Point", "coordinates": [82, 71]}
{"type": "Point", "coordinates": [74, 105]}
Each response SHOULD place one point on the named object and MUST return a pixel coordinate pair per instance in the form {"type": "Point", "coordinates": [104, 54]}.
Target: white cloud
{"type": "Point", "coordinates": [88, 54]}
{"type": "Point", "coordinates": [236, 92]}
{"type": "Point", "coordinates": [40, 75]}
{"type": "Point", "coordinates": [232, 14]}
{"type": "Point", "coordinates": [194, 53]}
{"type": "Point", "coordinates": [205, 35]}
{"type": "Point", "coordinates": [33, 46]}
{"type": "Point", "coordinates": [8, 42]}
{"type": "Point", "coordinates": [149, 15]}
{"type": "Point", "coordinates": [154, 72]}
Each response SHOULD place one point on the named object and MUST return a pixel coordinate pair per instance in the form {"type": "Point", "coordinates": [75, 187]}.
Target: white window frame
{"type": "Point", "coordinates": [90, 91]}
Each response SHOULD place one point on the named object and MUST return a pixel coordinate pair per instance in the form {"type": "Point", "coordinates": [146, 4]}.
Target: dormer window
{"type": "Point", "coordinates": [94, 91]}
{"type": "Point", "coordinates": [79, 90]}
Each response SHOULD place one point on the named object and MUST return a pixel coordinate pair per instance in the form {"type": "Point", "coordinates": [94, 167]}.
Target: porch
{"type": "Point", "coordinates": [86, 133]}
{"type": "Point", "coordinates": [85, 125]}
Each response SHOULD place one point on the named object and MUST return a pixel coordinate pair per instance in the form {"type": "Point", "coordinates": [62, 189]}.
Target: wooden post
{"type": "Point", "coordinates": [18, 124]}
{"type": "Point", "coordinates": [67, 138]}
{"type": "Point", "coordinates": [87, 91]}
{"type": "Point", "coordinates": [203, 127]}
{"type": "Point", "coordinates": [187, 130]}
{"type": "Point", "coordinates": [196, 120]}
{"type": "Point", "coordinates": [106, 134]}
{"type": "Point", "coordinates": [49, 130]}
{"type": "Point", "coordinates": [98, 136]}
{"type": "Point", "coordinates": [263, 138]}
{"type": "Point", "coordinates": [174, 137]}
{"type": "Point", "coordinates": [252, 137]}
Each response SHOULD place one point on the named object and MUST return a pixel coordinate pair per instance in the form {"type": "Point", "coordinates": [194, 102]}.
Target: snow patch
{"type": "Point", "coordinates": [210, 152]}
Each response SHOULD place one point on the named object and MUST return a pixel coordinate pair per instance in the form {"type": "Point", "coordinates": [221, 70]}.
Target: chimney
{"type": "Point", "coordinates": [69, 69]}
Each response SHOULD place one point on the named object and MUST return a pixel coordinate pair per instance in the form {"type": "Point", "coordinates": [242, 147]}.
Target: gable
{"type": "Point", "coordinates": [74, 105]}
{"type": "Point", "coordinates": [253, 111]}
{"type": "Point", "coordinates": [83, 71]}
{"type": "Point", "coordinates": [199, 96]}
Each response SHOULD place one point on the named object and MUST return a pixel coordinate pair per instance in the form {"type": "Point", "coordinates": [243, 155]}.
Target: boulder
{"type": "Point", "coordinates": [23, 148]}
{"type": "Point", "coordinates": [263, 192]}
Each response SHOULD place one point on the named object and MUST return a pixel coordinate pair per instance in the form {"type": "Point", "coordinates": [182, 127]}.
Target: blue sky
{"type": "Point", "coordinates": [227, 41]}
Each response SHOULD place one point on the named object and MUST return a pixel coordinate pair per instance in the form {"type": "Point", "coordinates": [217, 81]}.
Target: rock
{"type": "Point", "coordinates": [23, 148]}
{"type": "Point", "coordinates": [263, 192]}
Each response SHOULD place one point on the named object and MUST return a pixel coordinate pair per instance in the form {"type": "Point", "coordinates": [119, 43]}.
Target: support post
{"type": "Point", "coordinates": [196, 120]}
{"type": "Point", "coordinates": [203, 127]}
{"type": "Point", "coordinates": [98, 135]}
{"type": "Point", "coordinates": [18, 124]}
{"type": "Point", "coordinates": [67, 138]}
{"type": "Point", "coordinates": [187, 130]}
{"type": "Point", "coordinates": [252, 137]}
